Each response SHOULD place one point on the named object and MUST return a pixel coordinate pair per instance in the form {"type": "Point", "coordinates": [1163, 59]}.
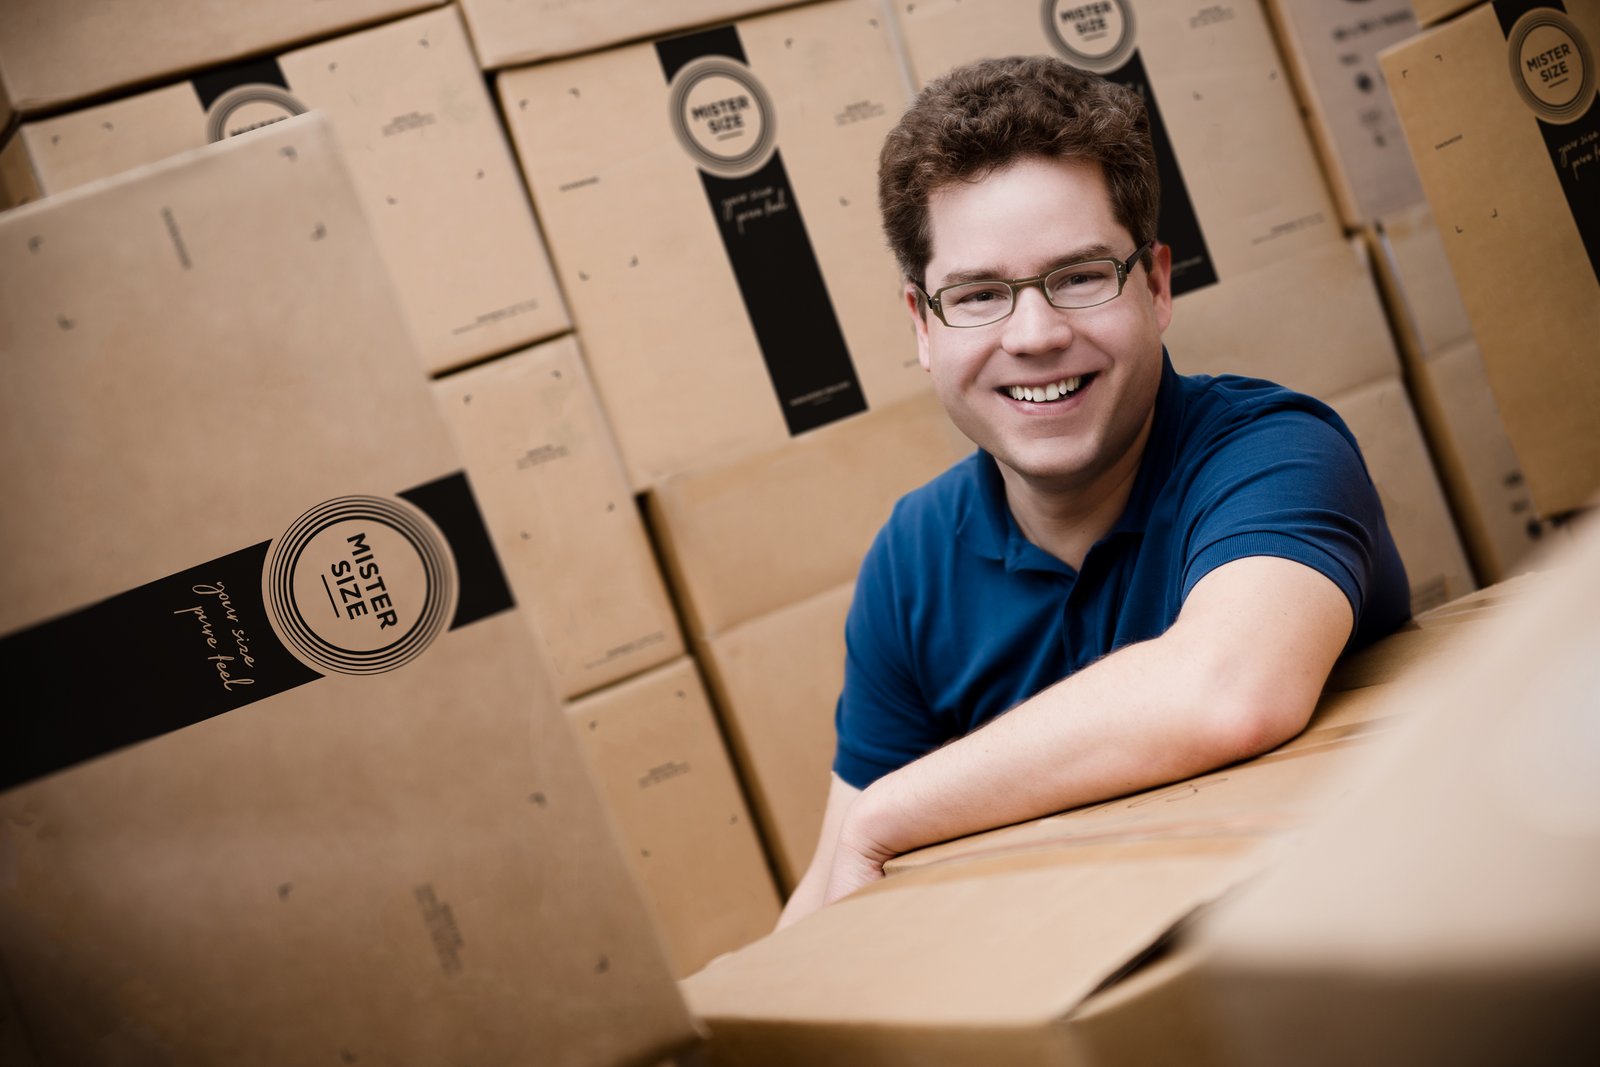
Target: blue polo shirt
{"type": "Point", "coordinates": [958, 617]}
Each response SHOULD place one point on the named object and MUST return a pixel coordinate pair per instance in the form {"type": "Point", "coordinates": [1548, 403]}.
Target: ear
{"type": "Point", "coordinates": [1159, 280]}
{"type": "Point", "coordinates": [918, 310]}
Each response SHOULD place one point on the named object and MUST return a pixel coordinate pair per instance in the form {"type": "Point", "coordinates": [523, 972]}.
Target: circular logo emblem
{"type": "Point", "coordinates": [723, 116]}
{"type": "Point", "coordinates": [1551, 65]}
{"type": "Point", "coordinates": [1096, 35]}
{"type": "Point", "coordinates": [249, 107]}
{"type": "Point", "coordinates": [360, 585]}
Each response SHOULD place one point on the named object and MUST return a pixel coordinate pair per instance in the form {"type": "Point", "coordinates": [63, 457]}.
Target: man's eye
{"type": "Point", "coordinates": [981, 296]}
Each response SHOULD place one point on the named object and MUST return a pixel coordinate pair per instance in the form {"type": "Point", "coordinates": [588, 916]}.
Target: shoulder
{"type": "Point", "coordinates": [1234, 420]}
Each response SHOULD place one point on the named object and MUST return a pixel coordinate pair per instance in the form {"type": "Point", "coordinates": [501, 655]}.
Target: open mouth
{"type": "Point", "coordinates": [1049, 394]}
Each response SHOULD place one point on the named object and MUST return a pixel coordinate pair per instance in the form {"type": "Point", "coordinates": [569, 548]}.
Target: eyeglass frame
{"type": "Point", "coordinates": [1016, 285]}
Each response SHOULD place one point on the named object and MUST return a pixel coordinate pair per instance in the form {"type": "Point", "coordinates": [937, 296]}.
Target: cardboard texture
{"type": "Point", "coordinates": [1040, 928]}
{"type": "Point", "coordinates": [710, 202]}
{"type": "Point", "coordinates": [1385, 425]}
{"type": "Point", "coordinates": [775, 681]}
{"type": "Point", "coordinates": [426, 149]}
{"type": "Point", "coordinates": [753, 536]}
{"type": "Point", "coordinates": [1444, 912]}
{"type": "Point", "coordinates": [1477, 465]}
{"type": "Point", "coordinates": [508, 32]}
{"type": "Point", "coordinates": [57, 52]}
{"type": "Point", "coordinates": [1499, 110]}
{"type": "Point", "coordinates": [242, 821]}
{"type": "Point", "coordinates": [1332, 54]}
{"type": "Point", "coordinates": [1313, 323]}
{"type": "Point", "coordinates": [561, 514]}
{"type": "Point", "coordinates": [1413, 271]}
{"type": "Point", "coordinates": [657, 754]}
{"type": "Point", "coordinates": [1431, 12]}
{"type": "Point", "coordinates": [1241, 187]}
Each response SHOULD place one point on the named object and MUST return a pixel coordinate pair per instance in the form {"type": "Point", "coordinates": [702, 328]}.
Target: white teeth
{"type": "Point", "coordinates": [1047, 393]}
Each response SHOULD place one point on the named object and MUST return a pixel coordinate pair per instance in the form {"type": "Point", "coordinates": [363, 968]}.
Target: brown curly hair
{"type": "Point", "coordinates": [980, 117]}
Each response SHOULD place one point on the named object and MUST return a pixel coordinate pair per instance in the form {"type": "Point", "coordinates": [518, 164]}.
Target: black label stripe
{"type": "Point", "coordinates": [1566, 140]}
{"type": "Point", "coordinates": [186, 648]}
{"type": "Point", "coordinates": [1177, 223]}
{"type": "Point", "coordinates": [210, 86]}
{"type": "Point", "coordinates": [775, 265]}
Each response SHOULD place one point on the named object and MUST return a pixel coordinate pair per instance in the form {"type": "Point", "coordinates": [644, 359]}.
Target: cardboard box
{"type": "Point", "coordinates": [751, 537]}
{"type": "Point", "coordinates": [1431, 12]}
{"type": "Point", "coordinates": [57, 52]}
{"type": "Point", "coordinates": [425, 146]}
{"type": "Point", "coordinates": [1381, 417]}
{"type": "Point", "coordinates": [243, 822]}
{"type": "Point", "coordinates": [775, 681]}
{"type": "Point", "coordinates": [1413, 271]}
{"type": "Point", "coordinates": [1499, 110]}
{"type": "Point", "coordinates": [1477, 465]}
{"type": "Point", "coordinates": [710, 202]}
{"type": "Point", "coordinates": [657, 754]}
{"type": "Point", "coordinates": [1313, 322]}
{"type": "Point", "coordinates": [507, 32]}
{"type": "Point", "coordinates": [1240, 183]}
{"type": "Point", "coordinates": [1444, 911]}
{"type": "Point", "coordinates": [561, 514]}
{"type": "Point", "coordinates": [1023, 945]}
{"type": "Point", "coordinates": [1332, 54]}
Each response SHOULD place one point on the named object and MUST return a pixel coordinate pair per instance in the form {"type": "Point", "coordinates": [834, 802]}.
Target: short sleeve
{"type": "Point", "coordinates": [882, 718]}
{"type": "Point", "coordinates": [1292, 484]}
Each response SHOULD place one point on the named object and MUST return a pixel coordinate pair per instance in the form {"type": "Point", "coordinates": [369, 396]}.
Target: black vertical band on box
{"type": "Point", "coordinates": [1177, 224]}
{"type": "Point", "coordinates": [124, 670]}
{"type": "Point", "coordinates": [210, 85]}
{"type": "Point", "coordinates": [1565, 140]}
{"type": "Point", "coordinates": [779, 278]}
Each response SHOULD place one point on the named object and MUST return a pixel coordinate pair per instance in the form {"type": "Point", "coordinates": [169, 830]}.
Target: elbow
{"type": "Point", "coordinates": [1251, 719]}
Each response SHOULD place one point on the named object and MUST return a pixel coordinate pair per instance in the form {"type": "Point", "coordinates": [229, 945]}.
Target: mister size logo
{"type": "Point", "coordinates": [723, 116]}
{"type": "Point", "coordinates": [1094, 34]}
{"type": "Point", "coordinates": [1552, 65]}
{"type": "Point", "coordinates": [360, 585]}
{"type": "Point", "coordinates": [249, 107]}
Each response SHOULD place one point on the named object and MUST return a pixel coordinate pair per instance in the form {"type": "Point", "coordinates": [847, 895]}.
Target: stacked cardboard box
{"type": "Point", "coordinates": [1332, 52]}
{"type": "Point", "coordinates": [426, 147]}
{"type": "Point", "coordinates": [57, 52]}
{"type": "Point", "coordinates": [709, 201]}
{"type": "Point", "coordinates": [654, 747]}
{"type": "Point", "coordinates": [1499, 108]}
{"type": "Point", "coordinates": [1445, 373]}
{"type": "Point", "coordinates": [763, 555]}
{"type": "Point", "coordinates": [508, 32]}
{"type": "Point", "coordinates": [562, 515]}
{"type": "Point", "coordinates": [288, 780]}
{"type": "Point", "coordinates": [1016, 945]}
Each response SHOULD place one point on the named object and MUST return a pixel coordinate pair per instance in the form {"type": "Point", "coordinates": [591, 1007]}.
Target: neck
{"type": "Point", "coordinates": [1067, 520]}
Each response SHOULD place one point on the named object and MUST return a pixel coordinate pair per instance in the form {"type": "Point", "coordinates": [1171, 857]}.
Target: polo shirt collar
{"type": "Point", "coordinates": [989, 529]}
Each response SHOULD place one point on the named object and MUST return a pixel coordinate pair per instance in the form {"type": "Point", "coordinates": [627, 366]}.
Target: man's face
{"type": "Point", "coordinates": [1025, 219]}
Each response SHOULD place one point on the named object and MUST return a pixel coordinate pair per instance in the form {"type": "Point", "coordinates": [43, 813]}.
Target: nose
{"type": "Point", "coordinates": [1035, 327]}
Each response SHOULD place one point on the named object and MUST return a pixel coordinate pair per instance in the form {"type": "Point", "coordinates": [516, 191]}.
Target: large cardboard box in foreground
{"type": "Point", "coordinates": [1445, 911]}
{"type": "Point", "coordinates": [1004, 947]}
{"type": "Point", "coordinates": [284, 776]}
{"type": "Point", "coordinates": [1499, 107]}
{"type": "Point", "coordinates": [425, 146]}
{"type": "Point", "coordinates": [658, 757]}
{"type": "Point", "coordinates": [710, 202]}
{"type": "Point", "coordinates": [561, 514]}
{"type": "Point", "coordinates": [507, 32]}
{"type": "Point", "coordinates": [55, 52]}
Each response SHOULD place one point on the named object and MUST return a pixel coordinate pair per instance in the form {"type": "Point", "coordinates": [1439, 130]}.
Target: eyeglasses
{"type": "Point", "coordinates": [1076, 285]}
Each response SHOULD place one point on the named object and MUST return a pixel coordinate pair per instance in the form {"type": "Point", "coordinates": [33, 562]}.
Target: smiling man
{"type": "Point", "coordinates": [1139, 576]}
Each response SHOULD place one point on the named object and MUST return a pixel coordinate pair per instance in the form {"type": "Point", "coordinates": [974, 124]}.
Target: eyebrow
{"type": "Point", "coordinates": [988, 274]}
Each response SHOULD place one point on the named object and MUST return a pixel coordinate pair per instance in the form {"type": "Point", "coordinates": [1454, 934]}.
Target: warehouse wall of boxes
{"type": "Point", "coordinates": [563, 338]}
